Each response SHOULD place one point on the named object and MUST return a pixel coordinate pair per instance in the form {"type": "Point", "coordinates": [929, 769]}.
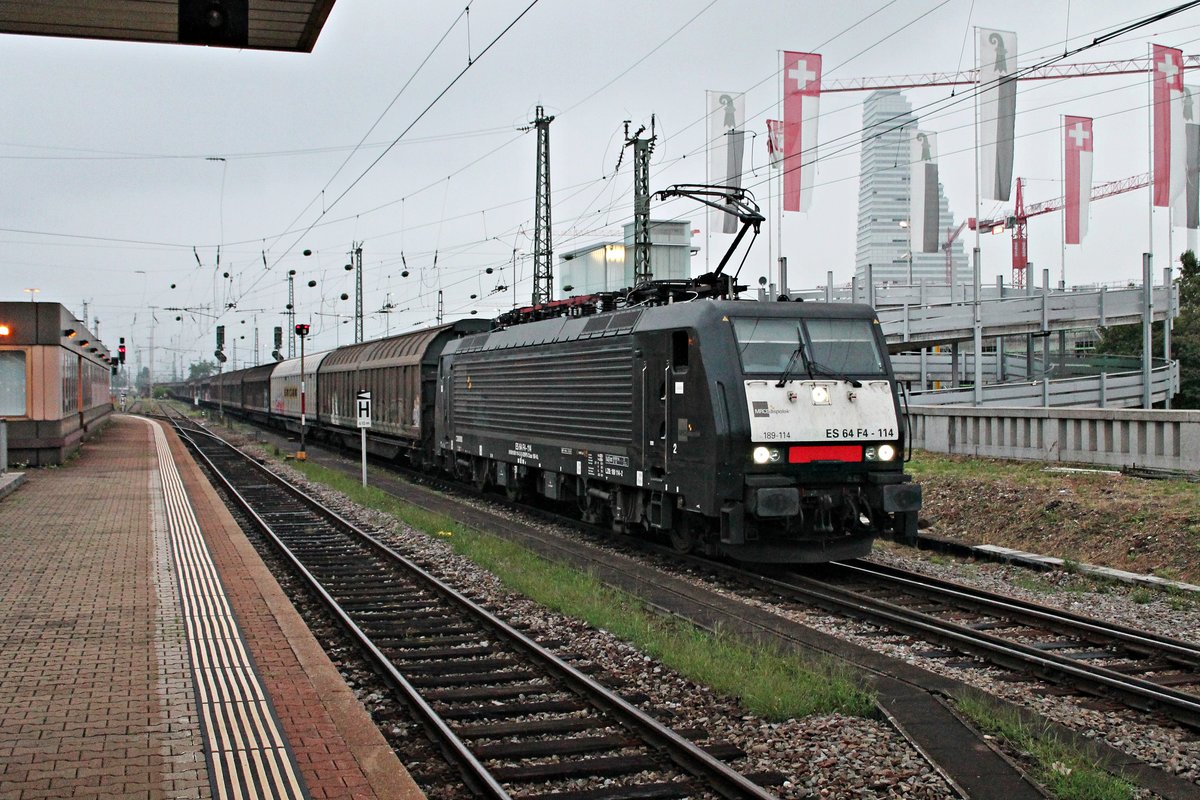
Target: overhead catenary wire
{"type": "Point", "coordinates": [582, 220]}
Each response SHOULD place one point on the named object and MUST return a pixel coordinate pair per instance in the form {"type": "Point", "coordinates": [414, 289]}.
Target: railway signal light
{"type": "Point", "coordinates": [121, 350]}
{"type": "Point", "coordinates": [220, 338]}
{"type": "Point", "coordinates": [302, 329]}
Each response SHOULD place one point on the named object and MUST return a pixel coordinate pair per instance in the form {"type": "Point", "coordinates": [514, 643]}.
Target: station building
{"type": "Point", "coordinates": [55, 383]}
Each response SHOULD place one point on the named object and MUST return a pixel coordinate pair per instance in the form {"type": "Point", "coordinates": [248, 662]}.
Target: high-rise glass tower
{"type": "Point", "coordinates": [883, 201]}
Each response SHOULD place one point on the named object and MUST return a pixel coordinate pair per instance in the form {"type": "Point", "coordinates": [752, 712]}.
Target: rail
{"type": "Point", "coordinates": [434, 644]}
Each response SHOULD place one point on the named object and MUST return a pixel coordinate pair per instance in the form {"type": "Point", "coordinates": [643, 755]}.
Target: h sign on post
{"type": "Point", "coordinates": [364, 409]}
{"type": "Point", "coordinates": [363, 400]}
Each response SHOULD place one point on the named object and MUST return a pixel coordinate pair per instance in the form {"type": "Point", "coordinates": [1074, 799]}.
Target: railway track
{"type": "Point", "coordinates": [515, 719]}
{"type": "Point", "coordinates": [1120, 665]}
{"type": "Point", "coordinates": [1142, 670]}
{"type": "Point", "coordinates": [908, 692]}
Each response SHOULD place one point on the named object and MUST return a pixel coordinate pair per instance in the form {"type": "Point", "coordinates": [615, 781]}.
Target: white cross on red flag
{"type": "Point", "coordinates": [1170, 137]}
{"type": "Point", "coordinates": [801, 107]}
{"type": "Point", "coordinates": [775, 141]}
{"type": "Point", "coordinates": [1077, 135]}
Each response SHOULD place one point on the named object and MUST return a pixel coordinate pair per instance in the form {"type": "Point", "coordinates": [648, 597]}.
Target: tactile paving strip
{"type": "Point", "coordinates": [247, 752]}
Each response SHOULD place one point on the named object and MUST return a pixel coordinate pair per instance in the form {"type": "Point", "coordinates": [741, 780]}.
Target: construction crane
{"type": "Point", "coordinates": [1085, 69]}
{"type": "Point", "coordinates": [1017, 221]}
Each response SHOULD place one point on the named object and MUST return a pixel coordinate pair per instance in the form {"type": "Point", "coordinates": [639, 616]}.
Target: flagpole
{"type": "Point", "coordinates": [1062, 174]}
{"type": "Point", "coordinates": [1150, 149]}
{"type": "Point", "coordinates": [978, 75]}
{"type": "Point", "coordinates": [708, 214]}
{"type": "Point", "coordinates": [779, 63]}
{"type": "Point", "coordinates": [1171, 235]}
{"type": "Point", "coordinates": [770, 242]}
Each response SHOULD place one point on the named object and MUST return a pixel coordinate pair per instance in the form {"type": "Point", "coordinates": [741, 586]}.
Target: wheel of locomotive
{"type": "Point", "coordinates": [480, 474]}
{"type": "Point", "coordinates": [516, 484]}
{"type": "Point", "coordinates": [687, 535]}
{"type": "Point", "coordinates": [683, 537]}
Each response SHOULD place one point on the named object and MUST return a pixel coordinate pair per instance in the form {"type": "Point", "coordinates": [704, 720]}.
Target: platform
{"type": "Point", "coordinates": [146, 651]}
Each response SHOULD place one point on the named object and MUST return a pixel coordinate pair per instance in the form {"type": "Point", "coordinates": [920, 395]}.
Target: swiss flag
{"type": "Point", "coordinates": [775, 141]}
{"type": "Point", "coordinates": [801, 107]}
{"type": "Point", "coordinates": [1077, 134]}
{"type": "Point", "coordinates": [1170, 137]}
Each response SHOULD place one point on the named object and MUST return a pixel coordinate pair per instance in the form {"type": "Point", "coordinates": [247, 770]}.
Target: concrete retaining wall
{"type": "Point", "coordinates": [1112, 438]}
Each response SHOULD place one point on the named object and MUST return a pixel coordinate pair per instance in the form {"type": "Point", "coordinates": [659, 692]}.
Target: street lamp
{"type": "Point", "coordinates": [908, 228]}
{"type": "Point", "coordinates": [301, 331]}
{"type": "Point", "coordinates": [32, 294]}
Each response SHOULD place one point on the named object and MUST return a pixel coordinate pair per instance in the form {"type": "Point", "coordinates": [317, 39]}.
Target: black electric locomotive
{"type": "Point", "coordinates": [763, 431]}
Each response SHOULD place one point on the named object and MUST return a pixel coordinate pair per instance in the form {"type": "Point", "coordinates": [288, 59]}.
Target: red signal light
{"type": "Point", "coordinates": [301, 329]}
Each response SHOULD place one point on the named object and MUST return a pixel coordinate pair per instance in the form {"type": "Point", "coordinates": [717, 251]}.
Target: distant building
{"type": "Point", "coordinates": [883, 200]}
{"type": "Point", "coordinates": [608, 266]}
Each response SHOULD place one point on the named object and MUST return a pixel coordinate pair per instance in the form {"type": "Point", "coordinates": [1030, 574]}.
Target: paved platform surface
{"type": "Point", "coordinates": [97, 694]}
{"type": "Point", "coordinates": [9, 481]}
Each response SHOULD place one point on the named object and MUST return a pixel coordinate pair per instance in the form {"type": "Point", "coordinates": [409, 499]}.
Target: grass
{"type": "Point", "coordinates": [771, 684]}
{"type": "Point", "coordinates": [1031, 582]}
{"type": "Point", "coordinates": [1141, 595]}
{"type": "Point", "coordinates": [1066, 772]}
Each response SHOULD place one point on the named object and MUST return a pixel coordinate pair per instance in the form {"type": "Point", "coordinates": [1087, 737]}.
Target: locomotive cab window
{"type": "Point", "coordinates": [840, 346]}
{"type": "Point", "coordinates": [679, 350]}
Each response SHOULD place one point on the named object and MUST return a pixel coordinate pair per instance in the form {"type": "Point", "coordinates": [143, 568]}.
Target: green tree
{"type": "Point", "coordinates": [201, 369]}
{"type": "Point", "coordinates": [1185, 335]}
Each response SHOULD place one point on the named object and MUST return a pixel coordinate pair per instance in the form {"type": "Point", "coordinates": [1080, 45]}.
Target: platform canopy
{"type": "Point", "coordinates": [290, 25]}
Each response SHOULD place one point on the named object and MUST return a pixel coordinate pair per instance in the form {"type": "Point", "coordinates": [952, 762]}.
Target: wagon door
{"type": "Point", "coordinates": [444, 434]}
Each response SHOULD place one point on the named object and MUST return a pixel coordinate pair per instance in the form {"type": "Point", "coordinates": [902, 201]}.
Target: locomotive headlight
{"type": "Point", "coordinates": [886, 452]}
{"type": "Point", "coordinates": [820, 396]}
{"type": "Point", "coordinates": [765, 455]}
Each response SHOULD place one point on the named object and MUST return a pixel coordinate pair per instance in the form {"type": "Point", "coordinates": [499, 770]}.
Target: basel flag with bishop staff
{"type": "Point", "coordinates": [1170, 135]}
{"type": "Point", "coordinates": [1077, 162]}
{"type": "Point", "coordinates": [726, 118]}
{"type": "Point", "coordinates": [801, 107]}
{"type": "Point", "coordinates": [1187, 205]}
{"type": "Point", "coordinates": [996, 112]}
{"type": "Point", "coordinates": [923, 213]}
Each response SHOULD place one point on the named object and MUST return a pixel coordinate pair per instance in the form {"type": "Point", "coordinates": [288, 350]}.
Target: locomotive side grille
{"type": "Point", "coordinates": [611, 324]}
{"type": "Point", "coordinates": [473, 342]}
{"type": "Point", "coordinates": [583, 392]}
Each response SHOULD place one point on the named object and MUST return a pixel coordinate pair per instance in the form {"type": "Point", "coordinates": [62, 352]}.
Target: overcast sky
{"type": "Point", "coordinates": [125, 167]}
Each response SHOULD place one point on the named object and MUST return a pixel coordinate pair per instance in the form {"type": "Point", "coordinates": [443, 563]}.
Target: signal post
{"type": "Point", "coordinates": [302, 332]}
{"type": "Point", "coordinates": [364, 421]}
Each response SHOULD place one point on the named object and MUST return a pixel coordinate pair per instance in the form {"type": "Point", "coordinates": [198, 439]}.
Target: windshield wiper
{"type": "Point", "coordinates": [811, 366]}
{"type": "Point", "coordinates": [821, 369]}
{"type": "Point", "coordinates": [797, 353]}
{"type": "Point", "coordinates": [787, 370]}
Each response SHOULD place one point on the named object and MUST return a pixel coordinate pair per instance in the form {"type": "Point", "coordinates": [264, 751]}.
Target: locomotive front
{"type": "Point", "coordinates": [822, 437]}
